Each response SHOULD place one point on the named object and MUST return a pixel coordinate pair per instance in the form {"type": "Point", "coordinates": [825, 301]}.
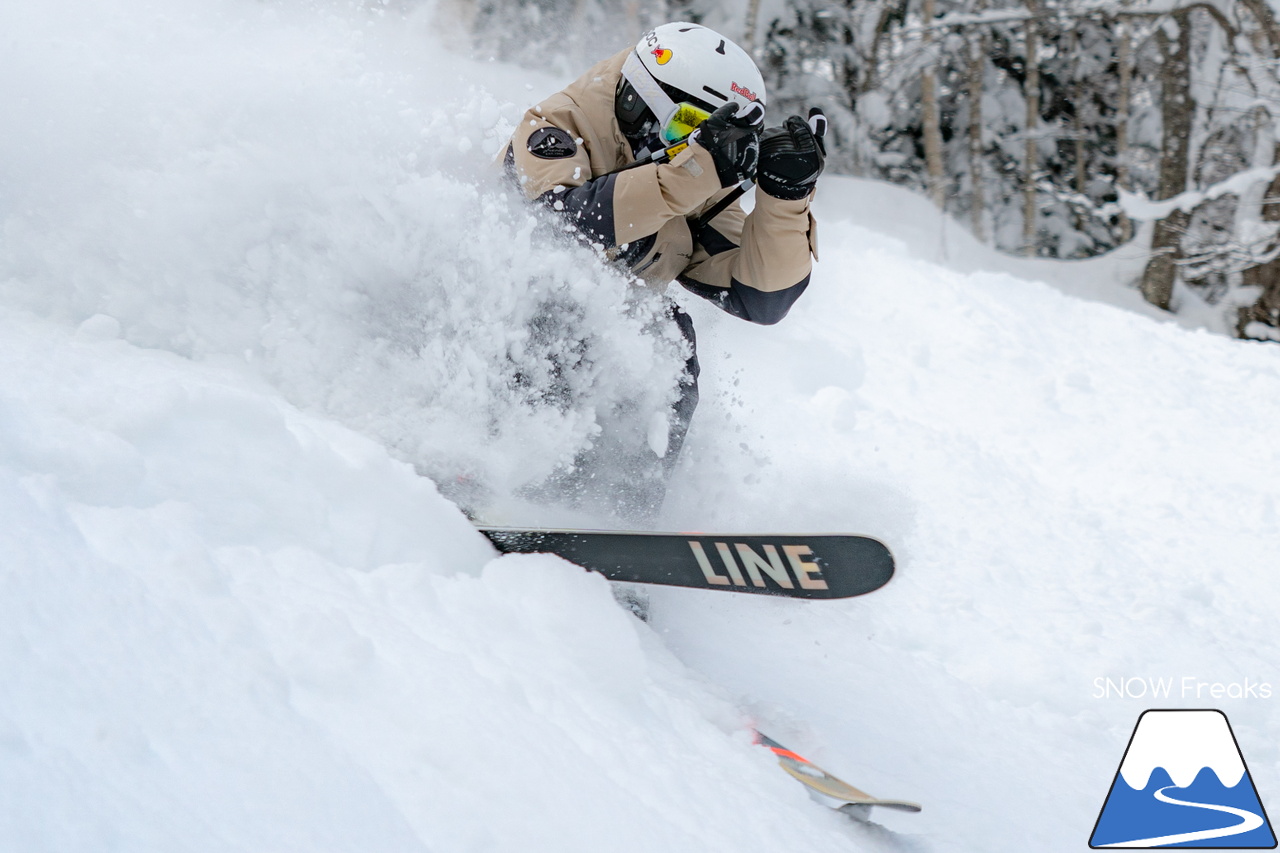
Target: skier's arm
{"type": "Point", "coordinates": [759, 275]}
{"type": "Point", "coordinates": [758, 266]}
{"type": "Point", "coordinates": [553, 167]}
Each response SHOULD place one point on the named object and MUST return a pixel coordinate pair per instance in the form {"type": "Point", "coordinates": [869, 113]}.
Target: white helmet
{"type": "Point", "coordinates": [685, 62]}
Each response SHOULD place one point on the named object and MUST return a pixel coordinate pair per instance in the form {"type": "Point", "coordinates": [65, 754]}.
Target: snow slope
{"type": "Point", "coordinates": [231, 625]}
{"type": "Point", "coordinates": [256, 279]}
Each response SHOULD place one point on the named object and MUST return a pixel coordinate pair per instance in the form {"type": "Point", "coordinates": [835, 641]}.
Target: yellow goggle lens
{"type": "Point", "coordinates": [683, 122]}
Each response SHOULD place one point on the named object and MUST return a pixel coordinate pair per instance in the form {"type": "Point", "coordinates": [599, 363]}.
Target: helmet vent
{"type": "Point", "coordinates": [720, 49]}
{"type": "Point", "coordinates": [719, 95]}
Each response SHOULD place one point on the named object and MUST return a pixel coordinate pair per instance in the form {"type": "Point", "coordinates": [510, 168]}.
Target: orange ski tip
{"type": "Point", "coordinates": [777, 748]}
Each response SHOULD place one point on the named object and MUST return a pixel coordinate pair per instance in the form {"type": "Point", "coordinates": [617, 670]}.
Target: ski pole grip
{"type": "Point", "coordinates": [818, 124]}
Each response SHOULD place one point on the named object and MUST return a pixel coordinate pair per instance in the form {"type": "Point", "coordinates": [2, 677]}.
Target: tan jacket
{"type": "Point", "coordinates": [754, 265]}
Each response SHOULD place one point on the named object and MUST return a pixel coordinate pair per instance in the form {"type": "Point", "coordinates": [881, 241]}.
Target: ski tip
{"type": "Point", "coordinates": [827, 789]}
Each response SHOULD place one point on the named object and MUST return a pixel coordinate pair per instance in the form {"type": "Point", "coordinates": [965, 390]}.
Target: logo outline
{"type": "Point", "coordinates": [1117, 778]}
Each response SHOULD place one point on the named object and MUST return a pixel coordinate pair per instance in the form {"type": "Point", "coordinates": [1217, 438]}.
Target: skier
{"type": "Point", "coordinates": [645, 154]}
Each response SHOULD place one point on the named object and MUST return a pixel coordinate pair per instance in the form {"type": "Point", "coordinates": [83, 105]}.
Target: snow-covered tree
{"type": "Point", "coordinates": [1032, 120]}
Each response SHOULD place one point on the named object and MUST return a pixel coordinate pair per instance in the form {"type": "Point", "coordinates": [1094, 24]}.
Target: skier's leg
{"type": "Point", "coordinates": [682, 412]}
{"type": "Point", "coordinates": [620, 471]}
{"type": "Point", "coordinates": [638, 495]}
{"type": "Point", "coordinates": [632, 596]}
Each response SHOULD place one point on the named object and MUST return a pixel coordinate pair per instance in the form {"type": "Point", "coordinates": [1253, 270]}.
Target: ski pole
{"type": "Point", "coordinates": [719, 206]}
{"type": "Point", "coordinates": [660, 156]}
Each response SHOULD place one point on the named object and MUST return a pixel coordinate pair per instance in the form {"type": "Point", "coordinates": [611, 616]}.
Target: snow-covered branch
{"type": "Point", "coordinates": [1138, 206]}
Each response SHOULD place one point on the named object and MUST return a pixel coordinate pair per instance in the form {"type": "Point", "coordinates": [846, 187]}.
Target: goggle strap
{"type": "Point", "coordinates": [647, 87]}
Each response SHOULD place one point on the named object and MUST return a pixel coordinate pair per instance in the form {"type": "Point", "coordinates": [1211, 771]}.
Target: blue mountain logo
{"type": "Point", "coordinates": [1183, 783]}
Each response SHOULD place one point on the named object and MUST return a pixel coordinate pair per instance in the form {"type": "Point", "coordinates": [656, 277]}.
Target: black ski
{"type": "Point", "coordinates": [797, 565]}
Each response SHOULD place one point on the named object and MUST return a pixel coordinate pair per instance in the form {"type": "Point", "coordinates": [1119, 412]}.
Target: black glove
{"type": "Point", "coordinates": [734, 142]}
{"type": "Point", "coordinates": [792, 156]}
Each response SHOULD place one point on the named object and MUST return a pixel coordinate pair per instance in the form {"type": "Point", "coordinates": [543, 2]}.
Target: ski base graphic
{"type": "Point", "coordinates": [827, 789]}
{"type": "Point", "coordinates": [797, 565]}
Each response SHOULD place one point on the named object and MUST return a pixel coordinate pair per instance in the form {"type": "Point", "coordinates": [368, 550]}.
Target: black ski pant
{"type": "Point", "coordinates": [688, 399]}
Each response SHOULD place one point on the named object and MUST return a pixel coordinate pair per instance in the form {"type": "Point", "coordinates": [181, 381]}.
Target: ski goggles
{"type": "Point", "coordinates": [683, 121]}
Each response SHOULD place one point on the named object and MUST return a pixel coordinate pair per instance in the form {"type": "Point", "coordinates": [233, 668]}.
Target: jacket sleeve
{"type": "Point", "coordinates": [755, 266]}
{"type": "Point", "coordinates": [549, 163]}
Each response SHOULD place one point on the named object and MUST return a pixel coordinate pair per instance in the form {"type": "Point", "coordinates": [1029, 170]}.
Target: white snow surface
{"type": "Point", "coordinates": [258, 284]}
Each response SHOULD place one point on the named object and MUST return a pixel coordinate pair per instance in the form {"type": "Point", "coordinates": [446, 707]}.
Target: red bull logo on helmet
{"type": "Point", "coordinates": [744, 92]}
{"type": "Point", "coordinates": [662, 54]}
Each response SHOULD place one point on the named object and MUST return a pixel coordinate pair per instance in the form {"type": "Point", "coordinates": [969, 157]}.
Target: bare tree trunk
{"type": "Point", "coordinates": [1177, 111]}
{"type": "Point", "coordinates": [1030, 213]}
{"type": "Point", "coordinates": [977, 197]}
{"type": "Point", "coordinates": [749, 28]}
{"type": "Point", "coordinates": [929, 106]}
{"type": "Point", "coordinates": [1077, 118]}
{"type": "Point", "coordinates": [883, 33]}
{"type": "Point", "coordinates": [633, 16]}
{"type": "Point", "coordinates": [1267, 276]}
{"type": "Point", "coordinates": [1267, 24]}
{"type": "Point", "coordinates": [1124, 61]}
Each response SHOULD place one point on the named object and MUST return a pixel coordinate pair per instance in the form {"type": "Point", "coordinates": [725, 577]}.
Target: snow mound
{"type": "Point", "coordinates": [231, 625]}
